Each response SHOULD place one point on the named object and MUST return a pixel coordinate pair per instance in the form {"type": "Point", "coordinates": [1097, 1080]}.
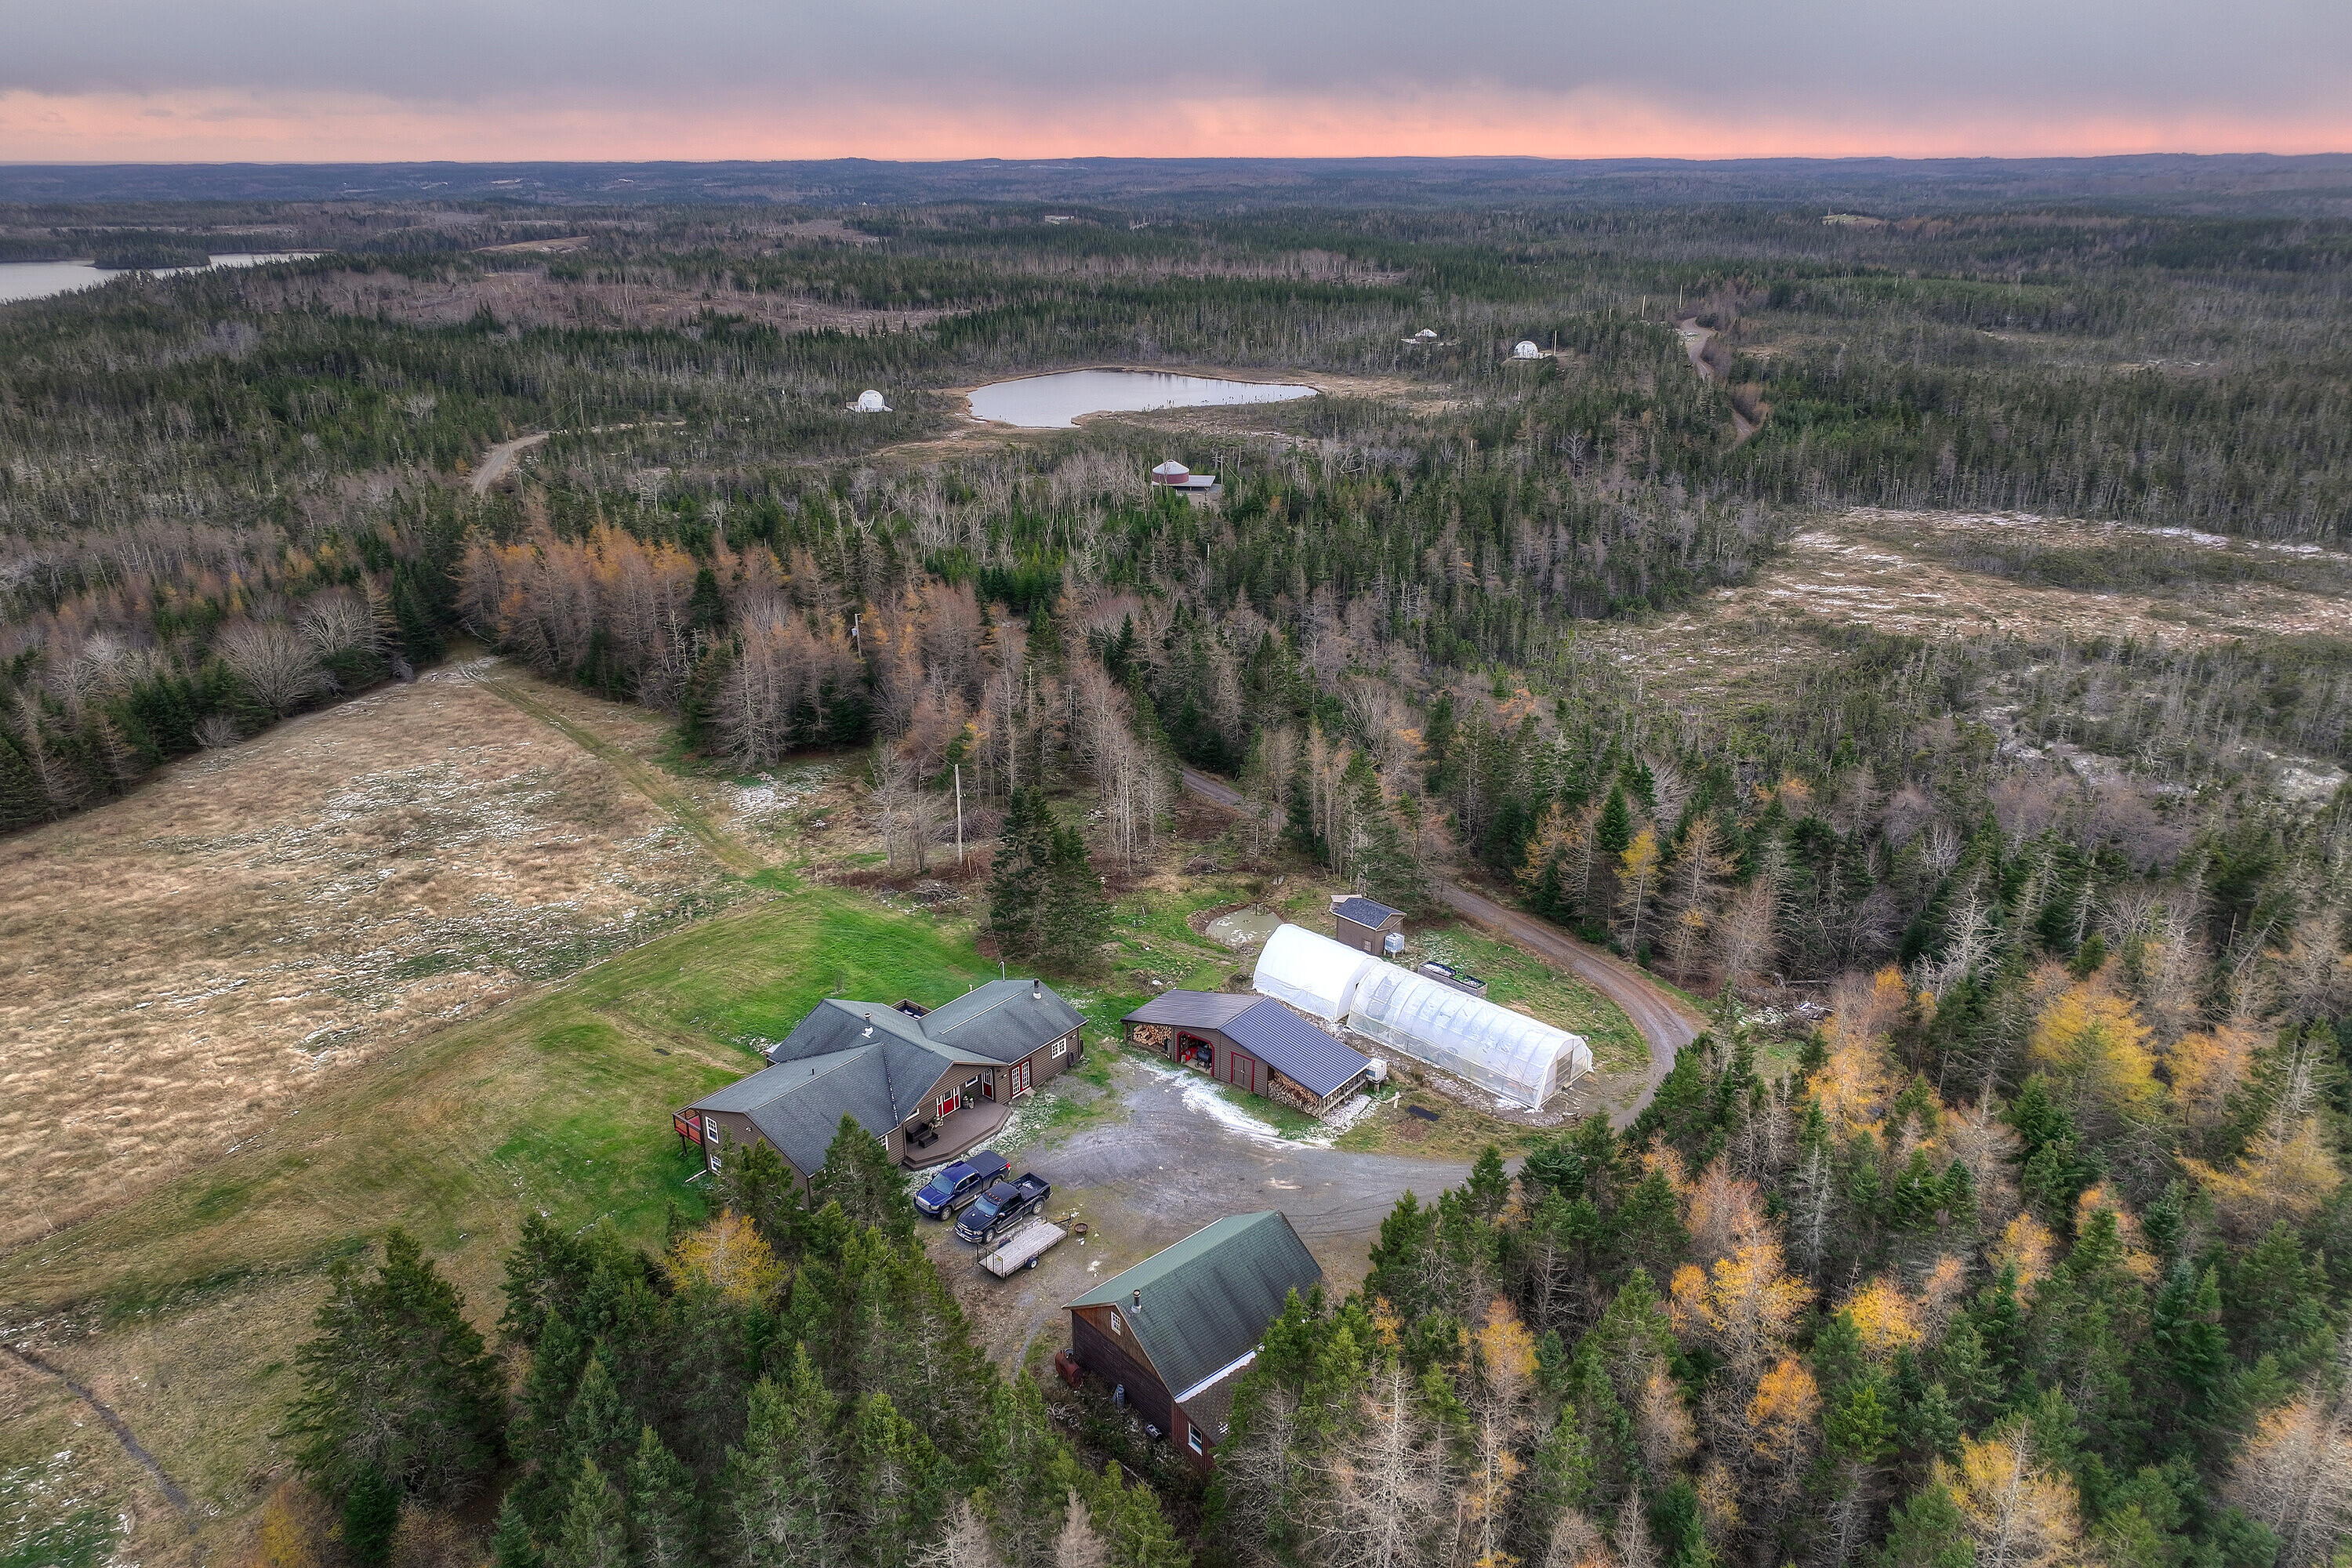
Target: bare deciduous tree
{"type": "Point", "coordinates": [274, 661]}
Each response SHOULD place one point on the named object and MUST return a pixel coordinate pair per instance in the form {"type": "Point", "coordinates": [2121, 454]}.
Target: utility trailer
{"type": "Point", "coordinates": [1021, 1249]}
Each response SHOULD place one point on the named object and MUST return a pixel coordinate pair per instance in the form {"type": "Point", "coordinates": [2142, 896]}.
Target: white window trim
{"type": "Point", "coordinates": [1061, 1047]}
{"type": "Point", "coordinates": [1192, 1438]}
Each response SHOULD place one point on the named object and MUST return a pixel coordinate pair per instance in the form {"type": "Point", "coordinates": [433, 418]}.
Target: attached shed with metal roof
{"type": "Point", "coordinates": [1252, 1043]}
{"type": "Point", "coordinates": [1179, 1328]}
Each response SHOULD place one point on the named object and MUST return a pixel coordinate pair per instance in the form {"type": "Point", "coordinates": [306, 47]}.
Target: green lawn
{"type": "Point", "coordinates": [560, 1101]}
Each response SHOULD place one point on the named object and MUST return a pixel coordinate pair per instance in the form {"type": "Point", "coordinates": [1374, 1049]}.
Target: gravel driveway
{"type": "Point", "coordinates": [1153, 1178]}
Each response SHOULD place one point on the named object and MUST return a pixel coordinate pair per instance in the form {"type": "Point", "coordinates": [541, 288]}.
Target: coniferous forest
{"type": "Point", "coordinates": [1999, 1217]}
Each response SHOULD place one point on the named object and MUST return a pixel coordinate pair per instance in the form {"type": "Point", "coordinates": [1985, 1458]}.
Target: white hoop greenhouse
{"type": "Point", "coordinates": [1312, 972]}
{"type": "Point", "coordinates": [1509, 1053]}
{"type": "Point", "coordinates": [1506, 1053]}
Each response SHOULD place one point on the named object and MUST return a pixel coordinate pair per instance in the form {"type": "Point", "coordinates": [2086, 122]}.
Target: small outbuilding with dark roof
{"type": "Point", "coordinates": [1253, 1043]}
{"type": "Point", "coordinates": [1178, 1330]}
{"type": "Point", "coordinates": [1366, 924]}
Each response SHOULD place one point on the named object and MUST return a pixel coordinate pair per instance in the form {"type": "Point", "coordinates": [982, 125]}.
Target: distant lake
{"type": "Point", "coordinates": [40, 279]}
{"type": "Point", "coordinates": [1055, 402]}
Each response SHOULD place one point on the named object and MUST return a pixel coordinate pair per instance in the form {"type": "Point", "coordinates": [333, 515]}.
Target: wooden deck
{"type": "Point", "coordinates": [967, 1130]}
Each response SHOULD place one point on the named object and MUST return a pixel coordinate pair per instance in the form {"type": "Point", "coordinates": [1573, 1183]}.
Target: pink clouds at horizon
{"type": "Point", "coordinates": [224, 127]}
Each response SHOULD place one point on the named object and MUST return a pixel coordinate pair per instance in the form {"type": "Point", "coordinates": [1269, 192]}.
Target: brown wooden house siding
{"type": "Point", "coordinates": [1111, 1356]}
{"type": "Point", "coordinates": [1042, 1063]}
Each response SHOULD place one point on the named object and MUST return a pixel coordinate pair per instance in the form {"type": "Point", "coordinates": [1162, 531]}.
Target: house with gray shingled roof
{"type": "Point", "coordinates": [929, 1082]}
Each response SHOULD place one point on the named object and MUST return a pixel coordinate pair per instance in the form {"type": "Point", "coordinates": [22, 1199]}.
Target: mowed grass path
{"type": "Point", "coordinates": [558, 1102]}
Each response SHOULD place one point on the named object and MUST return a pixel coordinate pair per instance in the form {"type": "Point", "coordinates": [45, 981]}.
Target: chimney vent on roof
{"type": "Point", "coordinates": [1036, 990]}
{"type": "Point", "coordinates": [1138, 1300]}
{"type": "Point", "coordinates": [869, 1025]}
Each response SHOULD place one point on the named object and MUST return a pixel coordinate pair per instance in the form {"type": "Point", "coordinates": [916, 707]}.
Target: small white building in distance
{"type": "Point", "coordinates": [1526, 349]}
{"type": "Point", "coordinates": [870, 402]}
{"type": "Point", "coordinates": [1177, 477]}
{"type": "Point", "coordinates": [1424, 337]}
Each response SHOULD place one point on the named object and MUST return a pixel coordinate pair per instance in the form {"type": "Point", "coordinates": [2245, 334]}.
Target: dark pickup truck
{"type": "Point", "coordinates": [958, 1184]}
{"type": "Point", "coordinates": [1003, 1206]}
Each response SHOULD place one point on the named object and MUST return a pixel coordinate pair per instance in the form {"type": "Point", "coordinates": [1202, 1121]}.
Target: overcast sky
{"type": "Point", "coordinates": [327, 80]}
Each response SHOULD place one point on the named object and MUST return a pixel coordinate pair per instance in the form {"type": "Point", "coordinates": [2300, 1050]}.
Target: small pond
{"type": "Point", "coordinates": [40, 279]}
{"type": "Point", "coordinates": [1243, 927]}
{"type": "Point", "coordinates": [1057, 401]}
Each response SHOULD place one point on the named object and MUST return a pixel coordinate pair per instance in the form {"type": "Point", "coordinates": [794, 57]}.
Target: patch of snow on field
{"type": "Point", "coordinates": [774, 793]}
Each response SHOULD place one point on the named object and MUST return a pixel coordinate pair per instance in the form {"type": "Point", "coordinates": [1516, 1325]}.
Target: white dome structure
{"type": "Point", "coordinates": [1170, 472]}
{"type": "Point", "coordinates": [1426, 336]}
{"type": "Point", "coordinates": [870, 402]}
{"type": "Point", "coordinates": [1312, 972]}
{"type": "Point", "coordinates": [1526, 349]}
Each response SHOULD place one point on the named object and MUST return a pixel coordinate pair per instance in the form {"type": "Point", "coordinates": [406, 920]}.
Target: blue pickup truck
{"type": "Point", "coordinates": [957, 1184]}
{"type": "Point", "coordinates": [1003, 1205]}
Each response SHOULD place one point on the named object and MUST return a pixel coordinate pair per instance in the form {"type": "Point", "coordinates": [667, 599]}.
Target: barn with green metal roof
{"type": "Point", "coordinates": [1177, 1331]}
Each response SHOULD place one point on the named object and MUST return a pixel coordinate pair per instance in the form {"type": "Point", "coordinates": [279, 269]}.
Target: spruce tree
{"type": "Point", "coordinates": [857, 1175]}
{"type": "Point", "coordinates": [782, 1484]}
{"type": "Point", "coordinates": [593, 1532]}
{"type": "Point", "coordinates": [1072, 919]}
{"type": "Point", "coordinates": [1927, 1531]}
{"type": "Point", "coordinates": [397, 1385]}
{"type": "Point", "coordinates": [370, 1516]}
{"type": "Point", "coordinates": [898, 1482]}
{"type": "Point", "coordinates": [663, 1517]}
{"type": "Point", "coordinates": [1018, 887]}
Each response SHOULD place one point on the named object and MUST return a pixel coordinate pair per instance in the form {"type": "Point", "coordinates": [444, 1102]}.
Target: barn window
{"type": "Point", "coordinates": [1193, 1436]}
{"type": "Point", "coordinates": [1115, 1326]}
{"type": "Point", "coordinates": [1061, 1047]}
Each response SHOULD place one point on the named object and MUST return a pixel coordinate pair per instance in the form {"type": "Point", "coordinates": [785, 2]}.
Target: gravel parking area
{"type": "Point", "coordinates": [1153, 1179]}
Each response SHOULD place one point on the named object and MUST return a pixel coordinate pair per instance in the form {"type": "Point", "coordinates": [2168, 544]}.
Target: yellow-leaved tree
{"type": "Point", "coordinates": [1885, 1317]}
{"type": "Point", "coordinates": [1506, 1367]}
{"type": "Point", "coordinates": [2019, 1514]}
{"type": "Point", "coordinates": [2091, 1042]}
{"type": "Point", "coordinates": [729, 1255]}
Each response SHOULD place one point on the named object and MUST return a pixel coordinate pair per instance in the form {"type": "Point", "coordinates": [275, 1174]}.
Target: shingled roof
{"type": "Point", "coordinates": [871, 1062]}
{"type": "Point", "coordinates": [1295, 1048]}
{"type": "Point", "coordinates": [1207, 1299]}
{"type": "Point", "coordinates": [1001, 1021]}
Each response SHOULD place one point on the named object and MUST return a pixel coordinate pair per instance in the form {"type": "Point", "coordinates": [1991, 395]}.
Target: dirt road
{"type": "Point", "coordinates": [1695, 340]}
{"type": "Point", "coordinates": [1664, 1019]}
{"type": "Point", "coordinates": [501, 458]}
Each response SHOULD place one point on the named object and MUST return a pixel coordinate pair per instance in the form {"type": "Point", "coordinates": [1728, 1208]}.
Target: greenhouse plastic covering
{"type": "Point", "coordinates": [1506, 1053]}
{"type": "Point", "coordinates": [1313, 974]}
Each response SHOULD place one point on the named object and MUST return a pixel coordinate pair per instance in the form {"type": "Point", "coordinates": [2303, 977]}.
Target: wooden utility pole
{"type": "Point", "coordinates": [959, 783]}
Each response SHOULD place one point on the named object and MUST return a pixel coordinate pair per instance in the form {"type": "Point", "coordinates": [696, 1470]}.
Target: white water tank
{"type": "Point", "coordinates": [1378, 1071]}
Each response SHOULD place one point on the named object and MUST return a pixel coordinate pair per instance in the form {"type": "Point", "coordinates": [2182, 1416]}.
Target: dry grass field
{"type": "Point", "coordinates": [187, 967]}
{"type": "Point", "coordinates": [1927, 575]}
